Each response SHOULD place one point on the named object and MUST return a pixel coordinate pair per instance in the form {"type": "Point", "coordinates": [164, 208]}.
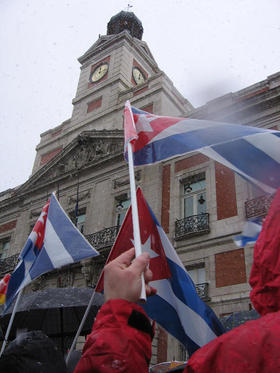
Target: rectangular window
{"type": "Point", "coordinates": [78, 218]}
{"type": "Point", "coordinates": [4, 248]}
{"type": "Point", "coordinates": [197, 275]}
{"type": "Point", "coordinates": [122, 204]}
{"type": "Point", "coordinates": [194, 195]}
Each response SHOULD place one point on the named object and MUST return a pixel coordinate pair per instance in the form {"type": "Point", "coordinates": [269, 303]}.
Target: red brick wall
{"type": "Point", "coordinates": [148, 108]}
{"type": "Point", "coordinates": [165, 198]}
{"type": "Point", "coordinates": [230, 268]}
{"type": "Point", "coordinates": [141, 90]}
{"type": "Point", "coordinates": [95, 104]}
{"type": "Point", "coordinates": [195, 160]}
{"type": "Point", "coordinates": [8, 226]}
{"type": "Point", "coordinates": [48, 156]}
{"type": "Point", "coordinates": [162, 346]}
{"type": "Point", "coordinates": [225, 192]}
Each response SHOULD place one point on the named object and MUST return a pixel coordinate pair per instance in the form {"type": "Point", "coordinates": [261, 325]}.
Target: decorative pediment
{"type": "Point", "coordinates": [90, 149]}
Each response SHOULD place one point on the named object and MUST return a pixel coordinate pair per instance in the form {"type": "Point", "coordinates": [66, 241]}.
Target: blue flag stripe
{"type": "Point", "coordinates": [252, 161]}
{"type": "Point", "coordinates": [185, 290]}
{"type": "Point", "coordinates": [168, 318]}
{"type": "Point", "coordinates": [42, 265]}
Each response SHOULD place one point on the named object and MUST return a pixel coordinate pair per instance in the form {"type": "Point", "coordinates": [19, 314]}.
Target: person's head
{"type": "Point", "coordinates": [32, 352]}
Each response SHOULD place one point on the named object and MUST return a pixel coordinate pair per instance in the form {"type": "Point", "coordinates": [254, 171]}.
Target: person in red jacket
{"type": "Point", "coordinates": [121, 337]}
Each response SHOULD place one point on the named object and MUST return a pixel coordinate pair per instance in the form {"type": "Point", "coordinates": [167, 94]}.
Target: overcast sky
{"type": "Point", "coordinates": [207, 47]}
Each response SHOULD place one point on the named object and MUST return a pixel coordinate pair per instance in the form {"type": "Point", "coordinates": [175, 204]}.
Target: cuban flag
{"type": "Point", "coordinates": [251, 152]}
{"type": "Point", "coordinates": [251, 230]}
{"type": "Point", "coordinates": [53, 243]}
{"type": "Point", "coordinates": [176, 306]}
{"type": "Point", "coordinates": [3, 287]}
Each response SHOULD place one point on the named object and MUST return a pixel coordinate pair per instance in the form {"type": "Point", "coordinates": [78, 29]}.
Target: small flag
{"type": "Point", "coordinates": [250, 233]}
{"type": "Point", "coordinates": [53, 243]}
{"type": "Point", "coordinates": [3, 288]}
{"type": "Point", "coordinates": [176, 306]}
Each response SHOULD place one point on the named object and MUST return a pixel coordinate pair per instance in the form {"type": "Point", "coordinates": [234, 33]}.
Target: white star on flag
{"type": "Point", "coordinates": [146, 247]}
{"type": "Point", "coordinates": [143, 123]}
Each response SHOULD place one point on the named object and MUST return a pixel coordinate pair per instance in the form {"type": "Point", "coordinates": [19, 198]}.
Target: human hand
{"type": "Point", "coordinates": [122, 277]}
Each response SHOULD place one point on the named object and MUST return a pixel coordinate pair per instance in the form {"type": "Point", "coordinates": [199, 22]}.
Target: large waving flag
{"type": "Point", "coordinates": [53, 243]}
{"type": "Point", "coordinates": [176, 306]}
{"type": "Point", "coordinates": [252, 152]}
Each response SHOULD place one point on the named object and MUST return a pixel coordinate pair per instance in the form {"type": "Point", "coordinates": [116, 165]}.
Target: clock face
{"type": "Point", "coordinates": [99, 72]}
{"type": "Point", "coordinates": [138, 75]}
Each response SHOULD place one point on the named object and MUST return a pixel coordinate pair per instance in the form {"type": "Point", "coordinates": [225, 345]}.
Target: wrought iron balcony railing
{"type": "Point", "coordinates": [258, 206]}
{"type": "Point", "coordinates": [104, 238]}
{"type": "Point", "coordinates": [202, 291]}
{"type": "Point", "coordinates": [192, 225]}
{"type": "Point", "coordinates": [7, 265]}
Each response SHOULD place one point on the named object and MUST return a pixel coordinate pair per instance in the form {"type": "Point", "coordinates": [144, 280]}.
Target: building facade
{"type": "Point", "coordinates": [200, 203]}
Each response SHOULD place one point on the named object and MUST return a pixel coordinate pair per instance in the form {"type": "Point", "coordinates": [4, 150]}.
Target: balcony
{"type": "Point", "coordinates": [191, 226]}
{"type": "Point", "coordinates": [258, 207]}
{"type": "Point", "coordinates": [202, 291]}
{"type": "Point", "coordinates": [104, 238]}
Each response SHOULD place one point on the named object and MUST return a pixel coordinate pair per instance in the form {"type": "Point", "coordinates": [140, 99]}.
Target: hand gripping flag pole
{"type": "Point", "coordinates": [130, 135]}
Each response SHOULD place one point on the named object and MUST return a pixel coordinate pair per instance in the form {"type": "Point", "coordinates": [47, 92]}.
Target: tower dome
{"type": "Point", "coordinates": [125, 21]}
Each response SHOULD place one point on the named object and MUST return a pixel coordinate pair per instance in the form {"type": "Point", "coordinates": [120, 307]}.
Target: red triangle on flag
{"type": "Point", "coordinates": [150, 240]}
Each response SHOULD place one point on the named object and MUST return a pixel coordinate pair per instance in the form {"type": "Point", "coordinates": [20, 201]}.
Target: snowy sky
{"type": "Point", "coordinates": [207, 47]}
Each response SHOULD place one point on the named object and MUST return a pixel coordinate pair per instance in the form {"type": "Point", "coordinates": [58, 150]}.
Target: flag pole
{"type": "Point", "coordinates": [135, 216]}
{"type": "Point", "coordinates": [80, 328]}
{"type": "Point", "coordinates": [11, 322]}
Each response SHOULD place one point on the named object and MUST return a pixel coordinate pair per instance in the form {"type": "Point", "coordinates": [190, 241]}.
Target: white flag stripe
{"type": "Point", "coordinates": [251, 229]}
{"type": "Point", "coordinates": [268, 143]}
{"type": "Point", "coordinates": [168, 248]}
{"type": "Point", "coordinates": [185, 126]}
{"type": "Point", "coordinates": [211, 153]}
{"type": "Point", "coordinates": [55, 249]}
{"type": "Point", "coordinates": [197, 328]}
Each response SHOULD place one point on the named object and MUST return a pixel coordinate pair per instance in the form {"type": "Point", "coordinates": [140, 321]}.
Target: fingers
{"type": "Point", "coordinates": [150, 290]}
{"type": "Point", "coordinates": [148, 275]}
{"type": "Point", "coordinates": [140, 263]}
{"type": "Point", "coordinates": [126, 257]}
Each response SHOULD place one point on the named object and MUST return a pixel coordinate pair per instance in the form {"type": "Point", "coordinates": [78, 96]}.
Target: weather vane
{"type": "Point", "coordinates": [128, 7]}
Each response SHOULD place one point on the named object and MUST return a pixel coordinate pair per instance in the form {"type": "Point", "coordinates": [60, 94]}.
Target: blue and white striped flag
{"type": "Point", "coordinates": [250, 233]}
{"type": "Point", "coordinates": [53, 243]}
{"type": "Point", "coordinates": [251, 152]}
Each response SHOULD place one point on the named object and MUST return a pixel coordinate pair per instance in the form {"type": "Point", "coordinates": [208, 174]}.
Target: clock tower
{"type": "Point", "coordinates": [119, 66]}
